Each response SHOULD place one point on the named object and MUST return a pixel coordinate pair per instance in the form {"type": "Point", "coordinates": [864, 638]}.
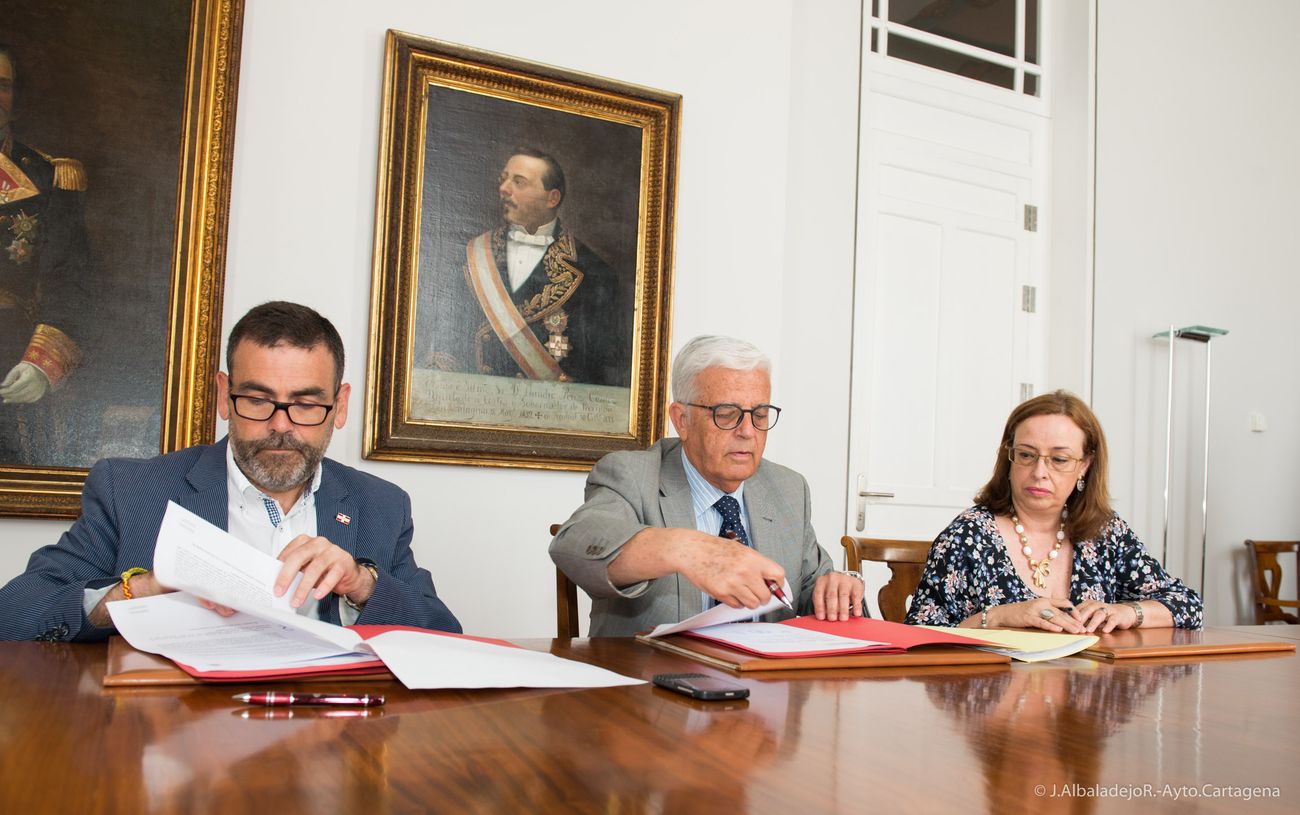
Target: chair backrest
{"type": "Point", "coordinates": [566, 601]}
{"type": "Point", "coordinates": [1267, 574]}
{"type": "Point", "coordinates": [906, 561]}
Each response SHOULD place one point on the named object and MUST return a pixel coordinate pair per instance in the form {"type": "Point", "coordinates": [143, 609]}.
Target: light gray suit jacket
{"type": "Point", "coordinates": [632, 490]}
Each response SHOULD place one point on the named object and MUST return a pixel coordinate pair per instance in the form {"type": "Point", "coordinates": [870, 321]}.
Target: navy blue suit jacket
{"type": "Point", "coordinates": [122, 507]}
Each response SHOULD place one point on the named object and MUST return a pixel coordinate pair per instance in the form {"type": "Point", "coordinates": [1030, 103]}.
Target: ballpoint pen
{"type": "Point", "coordinates": [771, 584]}
{"type": "Point", "coordinates": [780, 595]}
{"type": "Point", "coordinates": [274, 699]}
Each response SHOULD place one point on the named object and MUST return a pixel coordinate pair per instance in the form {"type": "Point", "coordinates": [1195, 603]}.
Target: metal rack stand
{"type": "Point", "coordinates": [1202, 334]}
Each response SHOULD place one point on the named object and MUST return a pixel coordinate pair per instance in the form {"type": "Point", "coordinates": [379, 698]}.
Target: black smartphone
{"type": "Point", "coordinates": [699, 686]}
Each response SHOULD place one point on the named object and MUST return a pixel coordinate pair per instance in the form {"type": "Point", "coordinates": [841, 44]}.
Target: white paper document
{"type": "Point", "coordinates": [194, 556]}
{"type": "Point", "coordinates": [720, 614]}
{"type": "Point", "coordinates": [176, 626]}
{"type": "Point", "coordinates": [457, 662]}
{"type": "Point", "coordinates": [773, 638]}
{"type": "Point", "coordinates": [204, 561]}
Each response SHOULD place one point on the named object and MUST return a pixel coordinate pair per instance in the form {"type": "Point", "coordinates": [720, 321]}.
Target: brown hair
{"type": "Point", "coordinates": [1089, 510]}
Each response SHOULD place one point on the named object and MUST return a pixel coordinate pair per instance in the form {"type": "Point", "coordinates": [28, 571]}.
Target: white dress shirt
{"type": "Point", "coordinates": [524, 251]}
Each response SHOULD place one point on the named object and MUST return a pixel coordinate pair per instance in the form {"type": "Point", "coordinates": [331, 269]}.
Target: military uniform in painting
{"type": "Point", "coordinates": [570, 320]}
{"type": "Point", "coordinates": [44, 287]}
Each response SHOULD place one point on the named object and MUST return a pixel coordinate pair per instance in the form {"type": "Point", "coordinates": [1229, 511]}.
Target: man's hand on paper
{"type": "Point", "coordinates": [325, 568]}
{"type": "Point", "coordinates": [726, 570]}
{"type": "Point", "coordinates": [837, 596]}
{"type": "Point", "coordinates": [224, 611]}
{"type": "Point", "coordinates": [147, 585]}
{"type": "Point", "coordinates": [729, 571]}
{"type": "Point", "coordinates": [143, 585]}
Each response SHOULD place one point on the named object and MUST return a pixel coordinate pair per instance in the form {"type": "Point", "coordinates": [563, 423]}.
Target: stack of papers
{"type": "Point", "coordinates": [810, 637]}
{"type": "Point", "coordinates": [721, 614]}
{"type": "Point", "coordinates": [266, 638]}
{"type": "Point", "coordinates": [1027, 646]}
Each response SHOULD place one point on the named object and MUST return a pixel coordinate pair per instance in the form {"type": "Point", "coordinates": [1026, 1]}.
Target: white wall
{"type": "Point", "coordinates": [814, 357]}
{"type": "Point", "coordinates": [764, 231]}
{"type": "Point", "coordinates": [1197, 172]}
{"type": "Point", "coordinates": [1069, 206]}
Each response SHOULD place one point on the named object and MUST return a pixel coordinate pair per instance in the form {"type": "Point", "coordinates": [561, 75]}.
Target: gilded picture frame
{"type": "Point", "coordinates": [521, 291]}
{"type": "Point", "coordinates": [134, 103]}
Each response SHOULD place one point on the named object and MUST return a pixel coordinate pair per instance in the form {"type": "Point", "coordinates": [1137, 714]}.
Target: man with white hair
{"type": "Point", "coordinates": [703, 517]}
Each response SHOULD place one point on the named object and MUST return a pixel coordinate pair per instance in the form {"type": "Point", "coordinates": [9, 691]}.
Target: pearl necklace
{"type": "Point", "coordinates": [1042, 569]}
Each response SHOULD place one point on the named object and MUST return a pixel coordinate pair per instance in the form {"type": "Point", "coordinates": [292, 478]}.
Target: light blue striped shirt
{"type": "Point", "coordinates": [707, 519]}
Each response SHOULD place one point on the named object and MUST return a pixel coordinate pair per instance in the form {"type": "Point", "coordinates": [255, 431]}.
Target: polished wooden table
{"type": "Point", "coordinates": [1074, 734]}
{"type": "Point", "coordinates": [1277, 631]}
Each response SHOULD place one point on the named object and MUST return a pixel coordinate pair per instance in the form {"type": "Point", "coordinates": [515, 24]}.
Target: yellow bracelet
{"type": "Point", "coordinates": [126, 580]}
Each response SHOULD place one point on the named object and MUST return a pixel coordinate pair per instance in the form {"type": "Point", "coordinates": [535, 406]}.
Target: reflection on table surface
{"type": "Point", "coordinates": [1282, 631]}
{"type": "Point", "coordinates": [1046, 737]}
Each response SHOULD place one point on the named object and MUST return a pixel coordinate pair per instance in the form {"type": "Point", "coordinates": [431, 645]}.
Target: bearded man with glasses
{"type": "Point", "coordinates": [268, 483]}
{"type": "Point", "coordinates": [702, 518]}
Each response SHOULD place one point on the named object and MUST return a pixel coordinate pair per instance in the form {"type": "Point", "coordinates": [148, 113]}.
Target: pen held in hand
{"type": "Point", "coordinates": [771, 584]}
{"type": "Point", "coordinates": [276, 699]}
{"type": "Point", "coordinates": [780, 595]}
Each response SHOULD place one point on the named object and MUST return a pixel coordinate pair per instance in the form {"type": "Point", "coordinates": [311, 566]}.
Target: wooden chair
{"type": "Point", "coordinates": [906, 561]}
{"type": "Point", "coordinates": [1268, 580]}
{"type": "Point", "coordinates": [566, 601]}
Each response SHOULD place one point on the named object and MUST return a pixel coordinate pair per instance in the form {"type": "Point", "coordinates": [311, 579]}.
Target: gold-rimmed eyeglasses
{"type": "Point", "coordinates": [1028, 457]}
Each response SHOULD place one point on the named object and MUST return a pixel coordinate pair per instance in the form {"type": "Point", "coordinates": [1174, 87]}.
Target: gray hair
{"type": "Point", "coordinates": [710, 351]}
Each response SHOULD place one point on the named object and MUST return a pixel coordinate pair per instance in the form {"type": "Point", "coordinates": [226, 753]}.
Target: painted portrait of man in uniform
{"type": "Point", "coordinates": [95, 233]}
{"type": "Point", "coordinates": [527, 259]}
{"type": "Point", "coordinates": [523, 261]}
{"type": "Point", "coordinates": [78, 243]}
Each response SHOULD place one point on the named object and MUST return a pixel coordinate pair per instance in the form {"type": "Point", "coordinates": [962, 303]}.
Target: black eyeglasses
{"type": "Point", "coordinates": [258, 409]}
{"type": "Point", "coordinates": [728, 416]}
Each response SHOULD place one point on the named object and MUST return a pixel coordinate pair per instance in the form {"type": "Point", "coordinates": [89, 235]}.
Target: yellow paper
{"type": "Point", "coordinates": [1025, 646]}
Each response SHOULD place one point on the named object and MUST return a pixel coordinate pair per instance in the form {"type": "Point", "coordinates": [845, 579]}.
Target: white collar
{"type": "Point", "coordinates": [544, 236]}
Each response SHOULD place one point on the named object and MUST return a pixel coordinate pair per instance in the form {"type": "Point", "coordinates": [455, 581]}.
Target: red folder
{"type": "Point", "coordinates": [127, 666]}
{"type": "Point", "coordinates": [883, 637]}
{"type": "Point", "coordinates": [360, 668]}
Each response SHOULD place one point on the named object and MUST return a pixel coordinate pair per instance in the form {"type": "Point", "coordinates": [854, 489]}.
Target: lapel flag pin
{"type": "Point", "coordinates": [343, 519]}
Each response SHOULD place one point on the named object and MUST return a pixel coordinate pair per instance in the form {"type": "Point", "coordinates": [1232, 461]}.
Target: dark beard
{"type": "Point", "coordinates": [284, 473]}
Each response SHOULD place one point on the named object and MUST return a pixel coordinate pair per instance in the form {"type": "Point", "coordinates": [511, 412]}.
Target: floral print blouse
{"type": "Point", "coordinates": [969, 570]}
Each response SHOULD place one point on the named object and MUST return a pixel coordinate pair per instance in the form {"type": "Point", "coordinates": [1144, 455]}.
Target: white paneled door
{"type": "Point", "coordinates": [949, 298]}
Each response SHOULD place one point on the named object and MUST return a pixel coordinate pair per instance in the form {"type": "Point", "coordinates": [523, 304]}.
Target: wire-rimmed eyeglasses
{"type": "Point", "coordinates": [1028, 457]}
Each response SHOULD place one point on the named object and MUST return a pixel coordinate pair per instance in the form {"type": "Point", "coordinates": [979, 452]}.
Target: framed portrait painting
{"type": "Point", "coordinates": [522, 275]}
{"type": "Point", "coordinates": [116, 127]}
